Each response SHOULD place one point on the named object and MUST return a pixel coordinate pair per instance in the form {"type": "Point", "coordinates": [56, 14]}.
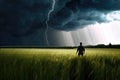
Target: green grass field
{"type": "Point", "coordinates": [59, 64]}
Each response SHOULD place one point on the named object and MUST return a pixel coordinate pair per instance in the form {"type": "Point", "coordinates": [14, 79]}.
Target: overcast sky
{"type": "Point", "coordinates": [59, 22]}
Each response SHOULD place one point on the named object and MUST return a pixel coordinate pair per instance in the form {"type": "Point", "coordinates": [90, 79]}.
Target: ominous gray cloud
{"type": "Point", "coordinates": [24, 17]}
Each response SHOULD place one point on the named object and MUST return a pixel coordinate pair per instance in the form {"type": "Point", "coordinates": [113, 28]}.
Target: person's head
{"type": "Point", "coordinates": [80, 43]}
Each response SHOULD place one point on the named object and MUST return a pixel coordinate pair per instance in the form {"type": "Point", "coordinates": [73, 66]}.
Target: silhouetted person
{"type": "Point", "coordinates": [80, 50]}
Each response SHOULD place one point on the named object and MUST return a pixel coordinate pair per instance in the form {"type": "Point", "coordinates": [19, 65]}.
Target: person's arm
{"type": "Point", "coordinates": [83, 50]}
{"type": "Point", "coordinates": [77, 50]}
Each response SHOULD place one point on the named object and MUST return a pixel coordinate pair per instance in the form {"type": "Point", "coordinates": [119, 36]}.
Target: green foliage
{"type": "Point", "coordinates": [59, 64]}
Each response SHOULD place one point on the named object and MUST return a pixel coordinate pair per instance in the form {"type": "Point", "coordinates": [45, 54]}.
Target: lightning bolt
{"type": "Point", "coordinates": [48, 18]}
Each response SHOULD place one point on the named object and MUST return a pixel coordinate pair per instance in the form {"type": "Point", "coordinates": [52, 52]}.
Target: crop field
{"type": "Point", "coordinates": [59, 64]}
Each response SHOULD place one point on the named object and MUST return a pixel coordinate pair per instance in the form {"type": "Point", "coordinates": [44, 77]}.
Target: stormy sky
{"type": "Point", "coordinates": [61, 22]}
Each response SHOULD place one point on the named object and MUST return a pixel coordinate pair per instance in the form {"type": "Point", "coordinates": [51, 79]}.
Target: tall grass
{"type": "Point", "coordinates": [59, 64]}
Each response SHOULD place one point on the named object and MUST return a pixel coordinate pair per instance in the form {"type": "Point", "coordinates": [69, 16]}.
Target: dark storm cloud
{"type": "Point", "coordinates": [69, 20]}
{"type": "Point", "coordinates": [24, 17]}
{"type": "Point", "coordinates": [79, 13]}
{"type": "Point", "coordinates": [21, 17]}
